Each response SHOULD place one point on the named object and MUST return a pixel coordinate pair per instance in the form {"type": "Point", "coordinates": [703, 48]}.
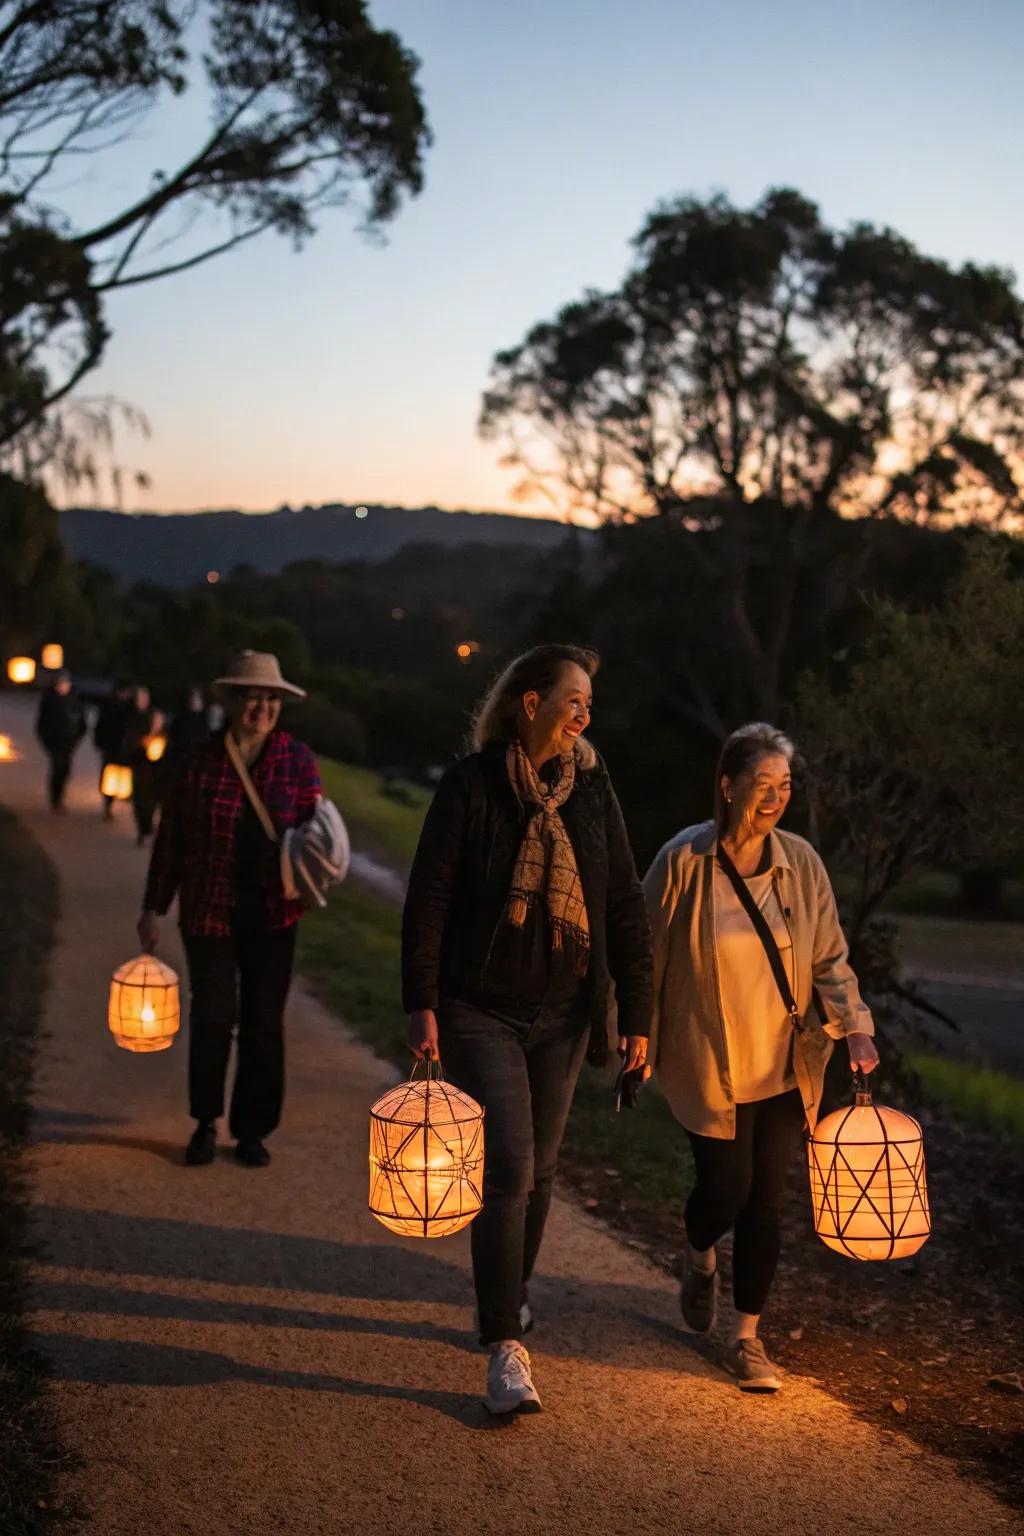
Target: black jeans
{"type": "Point", "coordinates": [242, 978]}
{"type": "Point", "coordinates": [740, 1184]}
{"type": "Point", "coordinates": [525, 1076]}
{"type": "Point", "coordinates": [60, 768]}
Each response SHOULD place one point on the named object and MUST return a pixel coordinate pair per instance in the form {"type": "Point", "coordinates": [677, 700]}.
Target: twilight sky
{"type": "Point", "coordinates": [353, 371]}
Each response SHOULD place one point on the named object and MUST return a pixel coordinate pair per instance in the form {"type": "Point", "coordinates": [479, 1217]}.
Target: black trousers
{"type": "Point", "coordinates": [60, 769]}
{"type": "Point", "coordinates": [740, 1184]}
{"type": "Point", "coordinates": [243, 980]}
{"type": "Point", "coordinates": [525, 1077]}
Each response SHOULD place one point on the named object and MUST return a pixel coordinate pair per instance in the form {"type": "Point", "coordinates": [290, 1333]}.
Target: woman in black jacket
{"type": "Point", "coordinates": [523, 906]}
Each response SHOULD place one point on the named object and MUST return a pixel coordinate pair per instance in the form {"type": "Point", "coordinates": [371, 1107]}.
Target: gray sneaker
{"type": "Point", "coordinates": [510, 1388]}
{"type": "Point", "coordinates": [525, 1318]}
{"type": "Point", "coordinates": [754, 1371]}
{"type": "Point", "coordinates": [698, 1299]}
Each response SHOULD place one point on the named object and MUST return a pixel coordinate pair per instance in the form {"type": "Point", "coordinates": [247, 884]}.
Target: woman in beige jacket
{"type": "Point", "coordinates": [741, 1067]}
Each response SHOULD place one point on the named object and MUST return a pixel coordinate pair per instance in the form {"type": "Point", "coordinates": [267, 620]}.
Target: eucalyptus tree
{"type": "Point", "coordinates": [307, 107]}
{"type": "Point", "coordinates": [755, 377]}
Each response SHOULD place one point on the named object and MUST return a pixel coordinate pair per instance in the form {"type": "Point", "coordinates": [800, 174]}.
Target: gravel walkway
{"type": "Point", "coordinates": [247, 1352]}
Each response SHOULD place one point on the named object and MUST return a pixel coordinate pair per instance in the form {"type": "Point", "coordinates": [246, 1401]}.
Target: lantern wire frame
{"type": "Point", "coordinates": [139, 987]}
{"type": "Point", "coordinates": [412, 1191]}
{"type": "Point", "coordinates": [903, 1186]}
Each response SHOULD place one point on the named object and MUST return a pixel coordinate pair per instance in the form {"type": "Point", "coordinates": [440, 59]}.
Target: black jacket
{"type": "Point", "coordinates": [60, 724]}
{"type": "Point", "coordinates": [459, 885]}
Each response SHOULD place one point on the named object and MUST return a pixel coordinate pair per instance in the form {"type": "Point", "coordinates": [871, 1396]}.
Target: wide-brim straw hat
{"type": "Point", "coordinates": [255, 669]}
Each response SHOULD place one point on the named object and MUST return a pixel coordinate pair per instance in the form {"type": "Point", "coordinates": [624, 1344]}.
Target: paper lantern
{"type": "Point", "coordinates": [426, 1157]}
{"type": "Point", "coordinates": [116, 782]}
{"type": "Point", "coordinates": [868, 1186]}
{"type": "Point", "coordinates": [53, 657]}
{"type": "Point", "coordinates": [144, 1011]}
{"type": "Point", "coordinates": [7, 752]}
{"type": "Point", "coordinates": [155, 746]}
{"type": "Point", "coordinates": [21, 669]}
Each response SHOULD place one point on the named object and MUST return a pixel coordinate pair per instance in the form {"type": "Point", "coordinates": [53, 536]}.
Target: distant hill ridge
{"type": "Point", "coordinates": [177, 549]}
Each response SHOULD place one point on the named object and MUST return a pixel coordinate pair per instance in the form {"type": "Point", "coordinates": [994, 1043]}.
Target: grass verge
{"type": "Point", "coordinates": [982, 1095]}
{"type": "Point", "coordinates": [386, 823]}
{"type": "Point", "coordinates": [30, 1450]}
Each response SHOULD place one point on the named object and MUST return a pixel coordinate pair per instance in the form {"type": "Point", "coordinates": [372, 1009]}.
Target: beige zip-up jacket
{"type": "Point", "coordinates": [687, 1044]}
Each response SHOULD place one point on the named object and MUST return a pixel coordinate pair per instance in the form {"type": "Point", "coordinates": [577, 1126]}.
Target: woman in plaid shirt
{"type": "Point", "coordinates": [237, 925]}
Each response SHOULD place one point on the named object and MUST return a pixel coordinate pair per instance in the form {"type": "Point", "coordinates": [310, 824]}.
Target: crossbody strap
{"type": "Point", "coordinates": [763, 932]}
{"type": "Point", "coordinates": [253, 793]}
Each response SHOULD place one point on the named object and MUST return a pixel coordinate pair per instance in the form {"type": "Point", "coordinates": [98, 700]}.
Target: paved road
{"type": "Point", "coordinates": [246, 1352]}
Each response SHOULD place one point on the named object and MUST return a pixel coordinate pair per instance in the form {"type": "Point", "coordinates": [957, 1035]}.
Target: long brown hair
{"type": "Point", "coordinates": [535, 671]}
{"type": "Point", "coordinates": [741, 751]}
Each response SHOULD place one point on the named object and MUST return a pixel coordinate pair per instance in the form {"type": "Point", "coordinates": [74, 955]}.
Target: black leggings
{"type": "Point", "coordinates": [740, 1184]}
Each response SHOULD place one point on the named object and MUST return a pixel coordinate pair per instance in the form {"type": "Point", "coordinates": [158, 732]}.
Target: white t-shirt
{"type": "Point", "coordinates": [758, 1032]}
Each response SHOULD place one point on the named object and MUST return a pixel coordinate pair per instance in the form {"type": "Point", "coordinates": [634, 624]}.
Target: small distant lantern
{"type": "Point", "coordinates": [144, 1011]}
{"type": "Point", "coordinates": [53, 657]}
{"type": "Point", "coordinates": [21, 669]}
{"type": "Point", "coordinates": [868, 1186]}
{"type": "Point", "coordinates": [426, 1157]}
{"type": "Point", "coordinates": [7, 752]}
{"type": "Point", "coordinates": [116, 782]}
{"type": "Point", "coordinates": [155, 746]}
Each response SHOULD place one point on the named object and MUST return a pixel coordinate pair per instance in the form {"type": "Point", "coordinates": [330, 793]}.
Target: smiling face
{"type": "Point", "coordinates": [757, 798]}
{"type": "Point", "coordinates": [254, 711]}
{"type": "Point", "coordinates": [551, 724]}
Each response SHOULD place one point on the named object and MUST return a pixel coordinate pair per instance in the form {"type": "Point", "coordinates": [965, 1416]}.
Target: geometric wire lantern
{"type": "Point", "coordinates": [8, 754]}
{"type": "Point", "coordinates": [116, 782]}
{"type": "Point", "coordinates": [155, 747]}
{"type": "Point", "coordinates": [53, 656]}
{"type": "Point", "coordinates": [144, 1011]}
{"type": "Point", "coordinates": [868, 1187]}
{"type": "Point", "coordinates": [426, 1157]}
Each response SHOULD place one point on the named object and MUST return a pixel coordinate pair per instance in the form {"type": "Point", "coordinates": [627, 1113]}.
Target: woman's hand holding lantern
{"type": "Point", "coordinates": [421, 1036]}
{"type": "Point", "coordinates": [148, 930]}
{"type": "Point", "coordinates": [633, 1050]}
{"type": "Point", "coordinates": [863, 1054]}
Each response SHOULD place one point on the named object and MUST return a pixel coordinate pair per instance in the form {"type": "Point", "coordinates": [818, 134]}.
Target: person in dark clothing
{"type": "Point", "coordinates": [60, 726]}
{"type": "Point", "coordinates": [523, 906]}
{"type": "Point", "coordinates": [108, 732]}
{"type": "Point", "coordinates": [141, 722]}
{"type": "Point", "coordinates": [190, 726]}
{"type": "Point", "coordinates": [238, 925]}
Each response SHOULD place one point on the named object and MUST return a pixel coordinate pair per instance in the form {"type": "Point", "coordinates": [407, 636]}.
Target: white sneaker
{"type": "Point", "coordinates": [510, 1388]}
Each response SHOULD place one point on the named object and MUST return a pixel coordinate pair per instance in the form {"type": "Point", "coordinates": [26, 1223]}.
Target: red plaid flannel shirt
{"type": "Point", "coordinates": [194, 851]}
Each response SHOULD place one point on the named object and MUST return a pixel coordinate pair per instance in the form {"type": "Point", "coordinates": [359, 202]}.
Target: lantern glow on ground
{"type": "Point", "coordinates": [53, 657]}
{"type": "Point", "coordinates": [868, 1186]}
{"type": "Point", "coordinates": [21, 669]}
{"type": "Point", "coordinates": [144, 1011]}
{"type": "Point", "coordinates": [426, 1158]}
{"type": "Point", "coordinates": [116, 782]}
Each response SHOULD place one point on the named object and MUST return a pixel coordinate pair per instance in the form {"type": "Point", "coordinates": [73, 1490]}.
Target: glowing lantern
{"type": "Point", "coordinates": [426, 1157]}
{"type": "Point", "coordinates": [21, 669]}
{"type": "Point", "coordinates": [868, 1187]}
{"type": "Point", "coordinates": [53, 657]}
{"type": "Point", "coordinates": [144, 1011]}
{"type": "Point", "coordinates": [7, 752]}
{"type": "Point", "coordinates": [155, 746]}
{"type": "Point", "coordinates": [116, 782]}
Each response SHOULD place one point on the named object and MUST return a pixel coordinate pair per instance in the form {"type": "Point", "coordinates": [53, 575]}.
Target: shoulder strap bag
{"type": "Point", "coordinates": [310, 864]}
{"type": "Point", "coordinates": [766, 936]}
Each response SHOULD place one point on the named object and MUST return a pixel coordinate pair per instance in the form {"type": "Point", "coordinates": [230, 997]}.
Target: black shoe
{"type": "Point", "coordinates": [252, 1153]}
{"type": "Point", "coordinates": [200, 1149]}
{"type": "Point", "coordinates": [698, 1299]}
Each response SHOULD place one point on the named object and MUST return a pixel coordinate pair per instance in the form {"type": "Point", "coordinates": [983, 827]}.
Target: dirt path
{"type": "Point", "coordinates": [247, 1352]}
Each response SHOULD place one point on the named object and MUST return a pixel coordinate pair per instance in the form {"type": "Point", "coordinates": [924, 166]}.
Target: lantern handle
{"type": "Point", "coordinates": [861, 1086]}
{"type": "Point", "coordinates": [431, 1066]}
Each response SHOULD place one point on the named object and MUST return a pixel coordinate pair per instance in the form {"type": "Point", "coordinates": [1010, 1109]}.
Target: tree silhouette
{"type": "Point", "coordinates": [309, 104]}
{"type": "Point", "coordinates": [757, 375]}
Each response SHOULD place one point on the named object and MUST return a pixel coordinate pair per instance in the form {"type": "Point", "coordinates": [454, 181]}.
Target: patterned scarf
{"type": "Point", "coordinates": [546, 863]}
